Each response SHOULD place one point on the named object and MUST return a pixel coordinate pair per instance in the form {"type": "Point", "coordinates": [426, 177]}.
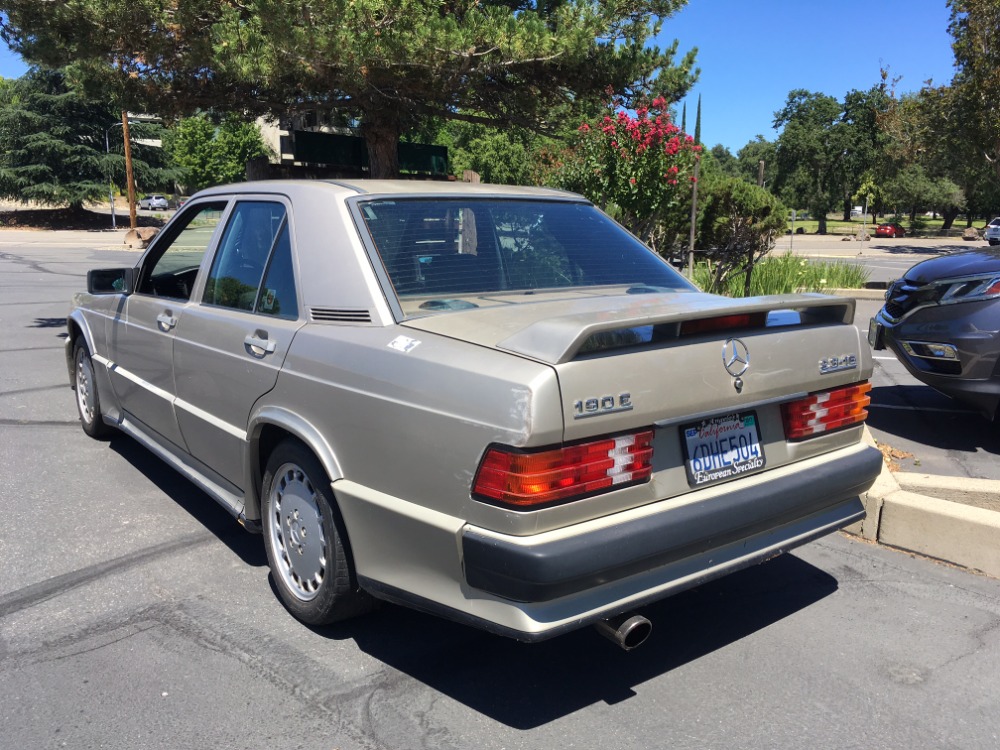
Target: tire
{"type": "Point", "coordinates": [88, 400]}
{"type": "Point", "coordinates": [305, 539]}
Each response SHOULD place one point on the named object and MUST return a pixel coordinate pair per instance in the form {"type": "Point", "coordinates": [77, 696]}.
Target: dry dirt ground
{"type": "Point", "coordinates": [30, 216]}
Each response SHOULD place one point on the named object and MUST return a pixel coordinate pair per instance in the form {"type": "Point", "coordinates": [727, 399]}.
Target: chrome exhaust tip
{"type": "Point", "coordinates": [629, 630]}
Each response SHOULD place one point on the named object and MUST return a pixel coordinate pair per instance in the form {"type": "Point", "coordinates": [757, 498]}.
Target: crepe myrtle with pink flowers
{"type": "Point", "coordinates": [637, 167]}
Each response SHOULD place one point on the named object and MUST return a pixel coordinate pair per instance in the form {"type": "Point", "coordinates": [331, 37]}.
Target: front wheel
{"type": "Point", "coordinates": [88, 401]}
{"type": "Point", "coordinates": [305, 539]}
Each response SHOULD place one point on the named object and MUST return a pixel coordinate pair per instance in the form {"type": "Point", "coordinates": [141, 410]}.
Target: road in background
{"type": "Point", "coordinates": [135, 613]}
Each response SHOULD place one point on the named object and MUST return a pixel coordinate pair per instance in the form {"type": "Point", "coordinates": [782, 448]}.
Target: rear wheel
{"type": "Point", "coordinates": [305, 539]}
{"type": "Point", "coordinates": [88, 401]}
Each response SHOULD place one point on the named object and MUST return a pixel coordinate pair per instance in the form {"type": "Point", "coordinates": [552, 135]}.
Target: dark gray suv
{"type": "Point", "coordinates": [942, 320]}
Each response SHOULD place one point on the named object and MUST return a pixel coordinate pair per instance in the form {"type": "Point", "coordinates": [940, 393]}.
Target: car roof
{"type": "Point", "coordinates": [409, 188]}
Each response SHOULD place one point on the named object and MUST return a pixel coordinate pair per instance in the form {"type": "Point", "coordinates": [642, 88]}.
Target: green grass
{"type": "Point", "coordinates": [785, 274]}
{"type": "Point", "coordinates": [924, 225]}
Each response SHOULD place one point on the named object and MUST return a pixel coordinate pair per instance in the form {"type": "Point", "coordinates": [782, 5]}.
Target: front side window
{"type": "Point", "coordinates": [172, 268]}
{"type": "Point", "coordinates": [238, 266]}
{"type": "Point", "coordinates": [484, 248]}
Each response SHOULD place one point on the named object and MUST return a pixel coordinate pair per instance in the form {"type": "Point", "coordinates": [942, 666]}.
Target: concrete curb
{"type": "Point", "coordinates": [955, 519]}
{"type": "Point", "coordinates": [930, 525]}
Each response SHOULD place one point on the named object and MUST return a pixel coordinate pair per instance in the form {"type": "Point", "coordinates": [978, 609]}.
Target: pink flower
{"type": "Point", "coordinates": [585, 128]}
{"type": "Point", "coordinates": [631, 180]}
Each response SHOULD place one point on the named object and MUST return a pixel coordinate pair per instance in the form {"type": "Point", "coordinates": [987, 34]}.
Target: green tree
{"type": "Point", "coordinates": [697, 123]}
{"type": "Point", "coordinates": [52, 144]}
{"type": "Point", "coordinates": [974, 27]}
{"type": "Point", "coordinates": [914, 190]}
{"type": "Point", "coordinates": [928, 128]}
{"type": "Point", "coordinates": [381, 66]}
{"type": "Point", "coordinates": [751, 155]}
{"type": "Point", "coordinates": [501, 157]}
{"type": "Point", "coordinates": [810, 152]}
{"type": "Point", "coordinates": [866, 149]}
{"type": "Point", "coordinates": [723, 161]}
{"type": "Point", "coordinates": [209, 154]}
{"type": "Point", "coordinates": [738, 225]}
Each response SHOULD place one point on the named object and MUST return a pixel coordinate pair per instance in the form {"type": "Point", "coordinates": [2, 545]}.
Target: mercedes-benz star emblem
{"type": "Point", "coordinates": [735, 357]}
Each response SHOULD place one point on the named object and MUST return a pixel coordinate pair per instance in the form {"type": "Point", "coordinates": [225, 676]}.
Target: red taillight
{"type": "Point", "coordinates": [532, 479]}
{"type": "Point", "coordinates": [822, 412]}
{"type": "Point", "coordinates": [723, 323]}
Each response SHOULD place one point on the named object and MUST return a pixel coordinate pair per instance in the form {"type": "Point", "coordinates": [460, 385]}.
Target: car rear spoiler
{"type": "Point", "coordinates": [561, 339]}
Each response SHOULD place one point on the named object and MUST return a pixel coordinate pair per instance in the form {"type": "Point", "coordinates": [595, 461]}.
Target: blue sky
{"type": "Point", "coordinates": [753, 52]}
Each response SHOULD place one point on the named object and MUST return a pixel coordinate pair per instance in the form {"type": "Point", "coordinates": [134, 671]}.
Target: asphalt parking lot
{"type": "Point", "coordinates": [134, 613]}
{"type": "Point", "coordinates": [928, 431]}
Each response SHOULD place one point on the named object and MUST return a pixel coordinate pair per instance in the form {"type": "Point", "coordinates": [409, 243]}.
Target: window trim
{"type": "Point", "coordinates": [162, 242]}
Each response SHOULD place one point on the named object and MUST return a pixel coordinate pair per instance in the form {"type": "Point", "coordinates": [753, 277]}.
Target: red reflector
{"type": "Point", "coordinates": [530, 479]}
{"type": "Point", "coordinates": [829, 410]}
{"type": "Point", "coordinates": [723, 322]}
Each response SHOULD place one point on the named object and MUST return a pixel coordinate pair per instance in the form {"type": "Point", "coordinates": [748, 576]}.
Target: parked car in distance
{"type": "Point", "coordinates": [891, 229]}
{"type": "Point", "coordinates": [486, 402]}
{"type": "Point", "coordinates": [992, 233]}
{"type": "Point", "coordinates": [154, 203]}
{"type": "Point", "coordinates": [942, 321]}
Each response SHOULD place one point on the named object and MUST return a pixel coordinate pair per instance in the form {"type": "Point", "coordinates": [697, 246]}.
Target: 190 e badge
{"type": "Point", "coordinates": [595, 407]}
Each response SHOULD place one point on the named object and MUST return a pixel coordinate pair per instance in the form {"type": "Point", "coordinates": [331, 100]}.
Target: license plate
{"type": "Point", "coordinates": [721, 448]}
{"type": "Point", "coordinates": [876, 334]}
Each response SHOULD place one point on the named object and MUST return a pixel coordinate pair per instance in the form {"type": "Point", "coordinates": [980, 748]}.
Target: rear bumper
{"type": "Point", "coordinates": [684, 543]}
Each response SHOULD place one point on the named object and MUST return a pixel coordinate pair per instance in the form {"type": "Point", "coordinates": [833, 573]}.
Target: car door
{"type": "Point", "coordinates": [141, 342]}
{"type": "Point", "coordinates": [229, 347]}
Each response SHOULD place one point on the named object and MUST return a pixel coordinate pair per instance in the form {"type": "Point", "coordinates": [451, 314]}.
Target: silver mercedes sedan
{"type": "Point", "coordinates": [489, 403]}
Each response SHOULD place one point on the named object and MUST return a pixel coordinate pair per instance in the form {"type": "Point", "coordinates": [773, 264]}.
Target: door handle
{"type": "Point", "coordinates": [259, 344]}
{"type": "Point", "coordinates": [166, 321]}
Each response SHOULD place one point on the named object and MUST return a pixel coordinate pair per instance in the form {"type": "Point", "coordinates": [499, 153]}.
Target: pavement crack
{"type": "Point", "coordinates": [36, 389]}
{"type": "Point", "coordinates": [39, 423]}
{"type": "Point", "coordinates": [37, 593]}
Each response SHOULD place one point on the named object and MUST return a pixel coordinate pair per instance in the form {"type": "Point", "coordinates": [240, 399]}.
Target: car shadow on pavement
{"type": "Point", "coordinates": [205, 510]}
{"type": "Point", "coordinates": [899, 247]}
{"type": "Point", "coordinates": [528, 685]}
{"type": "Point", "coordinates": [930, 421]}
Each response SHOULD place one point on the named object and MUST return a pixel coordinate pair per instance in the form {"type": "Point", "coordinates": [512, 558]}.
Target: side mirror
{"type": "Point", "coordinates": [111, 280]}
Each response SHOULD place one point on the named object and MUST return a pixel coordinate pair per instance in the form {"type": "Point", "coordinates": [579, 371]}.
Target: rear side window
{"type": "Point", "coordinates": [277, 295]}
{"type": "Point", "coordinates": [461, 247]}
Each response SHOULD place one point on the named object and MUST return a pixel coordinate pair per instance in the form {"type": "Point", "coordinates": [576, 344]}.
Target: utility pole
{"type": "Point", "coordinates": [694, 219]}
{"type": "Point", "coordinates": [760, 173]}
{"type": "Point", "coordinates": [130, 182]}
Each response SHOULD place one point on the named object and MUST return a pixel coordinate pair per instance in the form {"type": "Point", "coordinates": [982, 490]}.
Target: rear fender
{"type": "Point", "coordinates": [293, 425]}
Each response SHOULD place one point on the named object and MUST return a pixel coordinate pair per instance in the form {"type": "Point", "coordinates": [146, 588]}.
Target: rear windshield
{"type": "Point", "coordinates": [482, 248]}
